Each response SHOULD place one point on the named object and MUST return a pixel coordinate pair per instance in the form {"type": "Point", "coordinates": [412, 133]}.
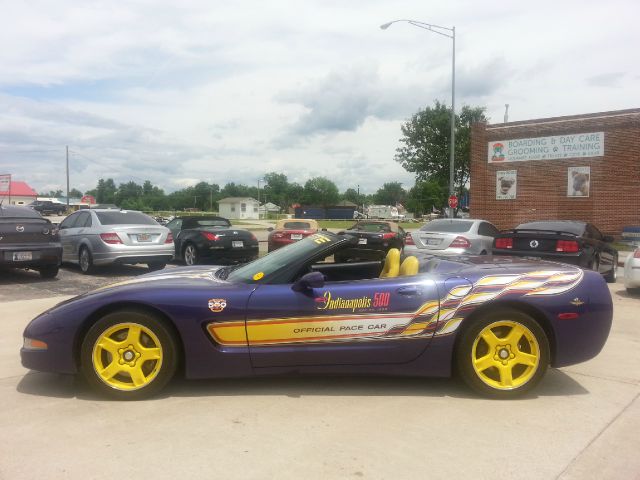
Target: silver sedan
{"type": "Point", "coordinates": [452, 236]}
{"type": "Point", "coordinates": [632, 272]}
{"type": "Point", "coordinates": [101, 237]}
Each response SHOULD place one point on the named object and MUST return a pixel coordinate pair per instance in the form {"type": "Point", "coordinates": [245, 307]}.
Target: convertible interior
{"type": "Point", "coordinates": [389, 266]}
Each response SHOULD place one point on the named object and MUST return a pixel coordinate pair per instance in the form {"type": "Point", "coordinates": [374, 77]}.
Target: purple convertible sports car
{"type": "Point", "coordinates": [498, 322]}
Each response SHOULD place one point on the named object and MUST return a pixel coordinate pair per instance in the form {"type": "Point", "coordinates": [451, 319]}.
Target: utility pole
{"type": "Point", "coordinates": [67, 177]}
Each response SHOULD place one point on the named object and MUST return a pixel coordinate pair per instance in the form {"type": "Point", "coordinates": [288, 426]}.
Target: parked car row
{"type": "Point", "coordinates": [96, 237]}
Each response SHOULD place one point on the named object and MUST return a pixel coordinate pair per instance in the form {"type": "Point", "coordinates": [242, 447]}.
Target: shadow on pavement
{"type": "Point", "coordinates": [555, 383]}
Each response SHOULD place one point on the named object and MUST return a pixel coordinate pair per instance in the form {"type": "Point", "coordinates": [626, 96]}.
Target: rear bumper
{"type": "Point", "coordinates": [632, 273]}
{"type": "Point", "coordinates": [134, 255]}
{"type": "Point", "coordinates": [41, 256]}
{"type": "Point", "coordinates": [578, 259]}
{"type": "Point", "coordinates": [230, 256]}
{"type": "Point", "coordinates": [411, 249]}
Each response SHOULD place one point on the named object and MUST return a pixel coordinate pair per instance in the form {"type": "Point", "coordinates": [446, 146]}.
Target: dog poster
{"type": "Point", "coordinates": [506, 184]}
{"type": "Point", "coordinates": [578, 181]}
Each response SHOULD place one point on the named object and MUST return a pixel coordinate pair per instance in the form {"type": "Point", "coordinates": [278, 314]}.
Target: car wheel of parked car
{"type": "Point", "coordinates": [503, 354]}
{"type": "Point", "coordinates": [128, 355]}
{"type": "Point", "coordinates": [153, 266]}
{"type": "Point", "coordinates": [85, 260]}
{"type": "Point", "coordinates": [190, 254]}
{"type": "Point", "coordinates": [50, 271]}
{"type": "Point", "coordinates": [612, 276]}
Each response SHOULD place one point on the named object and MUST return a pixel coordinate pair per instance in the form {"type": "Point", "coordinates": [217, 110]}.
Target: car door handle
{"type": "Point", "coordinates": [408, 291]}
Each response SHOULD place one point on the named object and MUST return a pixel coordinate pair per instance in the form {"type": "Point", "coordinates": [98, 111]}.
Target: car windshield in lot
{"type": "Point", "coordinates": [448, 226]}
{"type": "Point", "coordinates": [297, 225]}
{"type": "Point", "coordinates": [371, 227]}
{"type": "Point", "coordinates": [123, 217]}
{"type": "Point", "coordinates": [212, 223]}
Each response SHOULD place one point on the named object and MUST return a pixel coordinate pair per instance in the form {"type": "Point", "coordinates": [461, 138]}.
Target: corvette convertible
{"type": "Point", "coordinates": [497, 322]}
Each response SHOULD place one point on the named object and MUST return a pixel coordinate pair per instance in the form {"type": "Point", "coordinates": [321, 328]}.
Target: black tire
{"type": "Point", "coordinates": [49, 271]}
{"type": "Point", "coordinates": [85, 260]}
{"type": "Point", "coordinates": [155, 266]}
{"type": "Point", "coordinates": [486, 376]}
{"type": "Point", "coordinates": [612, 276]}
{"type": "Point", "coordinates": [190, 254]}
{"type": "Point", "coordinates": [116, 381]}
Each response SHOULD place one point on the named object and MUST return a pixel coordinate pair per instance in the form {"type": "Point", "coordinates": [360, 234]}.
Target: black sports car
{"type": "Point", "coordinates": [375, 239]}
{"type": "Point", "coordinates": [568, 241]}
{"type": "Point", "coordinates": [207, 238]}
{"type": "Point", "coordinates": [29, 241]}
{"type": "Point", "coordinates": [47, 206]}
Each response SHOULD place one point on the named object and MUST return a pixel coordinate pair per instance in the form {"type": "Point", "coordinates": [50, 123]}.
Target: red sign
{"type": "Point", "coordinates": [453, 201]}
{"type": "Point", "coordinates": [88, 199]}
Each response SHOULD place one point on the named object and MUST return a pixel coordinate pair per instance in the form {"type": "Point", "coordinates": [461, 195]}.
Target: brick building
{"type": "Point", "coordinates": [582, 167]}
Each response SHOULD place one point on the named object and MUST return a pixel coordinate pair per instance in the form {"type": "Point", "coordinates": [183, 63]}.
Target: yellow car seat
{"type": "Point", "coordinates": [391, 264]}
{"type": "Point", "coordinates": [410, 266]}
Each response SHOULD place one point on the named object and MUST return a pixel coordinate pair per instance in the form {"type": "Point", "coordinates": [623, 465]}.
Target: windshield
{"type": "Point", "coordinates": [283, 257]}
{"type": "Point", "coordinates": [371, 227]}
{"type": "Point", "coordinates": [212, 223]}
{"type": "Point", "coordinates": [297, 225]}
{"type": "Point", "coordinates": [447, 226]}
{"type": "Point", "coordinates": [123, 217]}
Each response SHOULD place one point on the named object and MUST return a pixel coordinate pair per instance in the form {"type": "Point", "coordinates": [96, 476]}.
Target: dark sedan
{"type": "Point", "coordinates": [29, 241]}
{"type": "Point", "coordinates": [568, 241]}
{"type": "Point", "coordinates": [200, 239]}
{"type": "Point", "coordinates": [375, 238]}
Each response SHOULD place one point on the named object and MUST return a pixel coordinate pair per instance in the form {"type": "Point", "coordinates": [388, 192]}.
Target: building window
{"type": "Point", "coordinates": [233, 208]}
{"type": "Point", "coordinates": [243, 207]}
{"type": "Point", "coordinates": [255, 209]}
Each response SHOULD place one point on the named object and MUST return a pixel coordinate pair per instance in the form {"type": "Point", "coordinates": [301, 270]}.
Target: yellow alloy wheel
{"type": "Point", "coordinates": [505, 355]}
{"type": "Point", "coordinates": [127, 356]}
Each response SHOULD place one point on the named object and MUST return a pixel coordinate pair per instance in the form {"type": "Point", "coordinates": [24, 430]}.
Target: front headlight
{"type": "Point", "coordinates": [33, 344]}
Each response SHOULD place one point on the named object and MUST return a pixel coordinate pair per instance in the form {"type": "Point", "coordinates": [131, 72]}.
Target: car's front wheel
{"type": "Point", "coordinates": [128, 355]}
{"type": "Point", "coordinates": [190, 255]}
{"type": "Point", "coordinates": [612, 276]}
{"type": "Point", "coordinates": [503, 354]}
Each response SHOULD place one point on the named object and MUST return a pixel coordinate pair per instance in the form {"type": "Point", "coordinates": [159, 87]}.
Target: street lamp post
{"type": "Point", "coordinates": [449, 33]}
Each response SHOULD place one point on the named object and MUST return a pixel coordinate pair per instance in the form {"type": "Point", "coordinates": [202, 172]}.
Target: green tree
{"type": "Point", "coordinates": [53, 193]}
{"type": "Point", "coordinates": [105, 192]}
{"type": "Point", "coordinates": [320, 191]}
{"type": "Point", "coordinates": [352, 195]}
{"type": "Point", "coordinates": [425, 196]}
{"type": "Point", "coordinates": [426, 139]}
{"type": "Point", "coordinates": [390, 194]}
{"type": "Point", "coordinates": [276, 189]}
{"type": "Point", "coordinates": [75, 193]}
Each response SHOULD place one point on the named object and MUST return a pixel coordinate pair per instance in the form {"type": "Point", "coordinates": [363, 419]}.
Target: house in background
{"type": "Point", "coordinates": [238, 208]}
{"type": "Point", "coordinates": [267, 208]}
{"type": "Point", "coordinates": [19, 194]}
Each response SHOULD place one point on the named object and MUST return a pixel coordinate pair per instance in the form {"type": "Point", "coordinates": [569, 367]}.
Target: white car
{"type": "Point", "coordinates": [632, 272]}
{"type": "Point", "coordinates": [452, 236]}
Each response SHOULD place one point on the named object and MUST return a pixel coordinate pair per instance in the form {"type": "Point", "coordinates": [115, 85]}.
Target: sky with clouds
{"type": "Point", "coordinates": [180, 92]}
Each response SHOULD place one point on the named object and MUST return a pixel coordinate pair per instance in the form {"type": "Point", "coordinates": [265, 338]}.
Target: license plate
{"type": "Point", "coordinates": [362, 241]}
{"type": "Point", "coordinates": [237, 243]}
{"type": "Point", "coordinates": [431, 241]}
{"type": "Point", "coordinates": [22, 256]}
{"type": "Point", "coordinates": [296, 236]}
{"type": "Point", "coordinates": [144, 237]}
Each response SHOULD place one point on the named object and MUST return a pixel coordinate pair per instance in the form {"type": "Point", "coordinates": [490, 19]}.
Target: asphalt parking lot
{"type": "Point", "coordinates": [582, 421]}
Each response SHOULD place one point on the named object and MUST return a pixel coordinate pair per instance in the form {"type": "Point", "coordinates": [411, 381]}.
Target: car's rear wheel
{"type": "Point", "coordinates": [190, 254]}
{"type": "Point", "coordinates": [49, 271]}
{"type": "Point", "coordinates": [154, 266]}
{"type": "Point", "coordinates": [503, 354]}
{"type": "Point", "coordinates": [85, 259]}
{"type": "Point", "coordinates": [128, 355]}
{"type": "Point", "coordinates": [612, 276]}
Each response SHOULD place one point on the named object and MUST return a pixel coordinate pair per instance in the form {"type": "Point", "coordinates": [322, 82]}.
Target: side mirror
{"type": "Point", "coordinates": [608, 238]}
{"type": "Point", "coordinates": [270, 229]}
{"type": "Point", "coordinates": [308, 281]}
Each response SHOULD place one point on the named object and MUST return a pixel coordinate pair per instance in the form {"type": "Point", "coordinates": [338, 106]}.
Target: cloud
{"type": "Point", "coordinates": [606, 79]}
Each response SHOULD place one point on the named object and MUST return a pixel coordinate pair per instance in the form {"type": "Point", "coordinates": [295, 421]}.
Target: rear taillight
{"type": "Point", "coordinates": [503, 243]}
{"type": "Point", "coordinates": [169, 238]}
{"type": "Point", "coordinates": [636, 254]}
{"type": "Point", "coordinates": [408, 240]}
{"type": "Point", "coordinates": [569, 246]}
{"type": "Point", "coordinates": [278, 235]}
{"type": "Point", "coordinates": [110, 238]}
{"type": "Point", "coordinates": [388, 236]}
{"type": "Point", "coordinates": [212, 237]}
{"type": "Point", "coordinates": [460, 242]}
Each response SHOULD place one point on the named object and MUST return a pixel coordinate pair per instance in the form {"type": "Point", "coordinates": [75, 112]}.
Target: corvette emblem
{"type": "Point", "coordinates": [534, 244]}
{"type": "Point", "coordinates": [217, 304]}
{"type": "Point", "coordinates": [577, 302]}
{"type": "Point", "coordinates": [20, 228]}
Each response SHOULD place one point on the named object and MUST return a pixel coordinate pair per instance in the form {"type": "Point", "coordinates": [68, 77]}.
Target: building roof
{"type": "Point", "coordinates": [237, 199]}
{"type": "Point", "coordinates": [20, 189]}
